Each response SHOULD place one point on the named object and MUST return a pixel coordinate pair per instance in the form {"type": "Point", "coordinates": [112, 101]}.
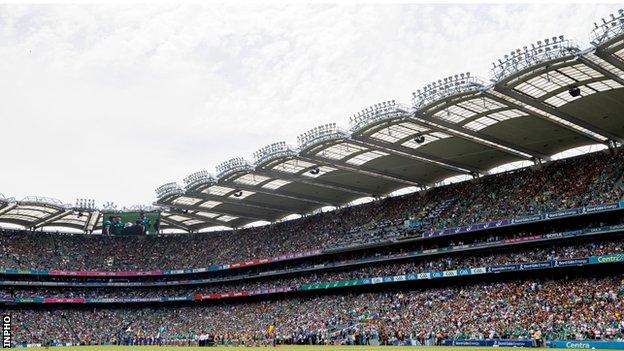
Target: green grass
{"type": "Point", "coordinates": [283, 348]}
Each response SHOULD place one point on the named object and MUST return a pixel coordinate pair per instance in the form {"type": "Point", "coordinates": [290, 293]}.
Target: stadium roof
{"type": "Point", "coordinates": [459, 125]}
{"type": "Point", "coordinates": [37, 212]}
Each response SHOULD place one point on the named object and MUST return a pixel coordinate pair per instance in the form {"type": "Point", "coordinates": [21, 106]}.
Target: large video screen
{"type": "Point", "coordinates": [131, 223]}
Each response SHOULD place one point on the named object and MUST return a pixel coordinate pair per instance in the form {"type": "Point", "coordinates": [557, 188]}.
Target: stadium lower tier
{"type": "Point", "coordinates": [557, 308]}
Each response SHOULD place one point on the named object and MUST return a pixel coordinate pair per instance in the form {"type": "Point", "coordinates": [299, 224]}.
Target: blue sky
{"type": "Point", "coordinates": [110, 101]}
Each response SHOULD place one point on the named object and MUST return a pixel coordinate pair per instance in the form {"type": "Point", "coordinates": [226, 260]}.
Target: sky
{"type": "Point", "coordinates": [108, 102]}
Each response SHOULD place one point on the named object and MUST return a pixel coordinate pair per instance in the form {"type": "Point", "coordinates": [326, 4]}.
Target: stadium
{"type": "Point", "coordinates": [526, 257]}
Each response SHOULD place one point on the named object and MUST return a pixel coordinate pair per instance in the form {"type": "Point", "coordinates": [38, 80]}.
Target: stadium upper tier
{"type": "Point", "coordinates": [586, 180]}
{"type": "Point", "coordinates": [542, 99]}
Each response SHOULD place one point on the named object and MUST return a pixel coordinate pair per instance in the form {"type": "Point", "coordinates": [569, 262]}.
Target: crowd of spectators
{"type": "Point", "coordinates": [533, 254]}
{"type": "Point", "coordinates": [421, 249]}
{"type": "Point", "coordinates": [579, 308]}
{"type": "Point", "coordinates": [580, 181]}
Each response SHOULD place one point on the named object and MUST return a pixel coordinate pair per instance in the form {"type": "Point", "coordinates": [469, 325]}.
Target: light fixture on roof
{"type": "Point", "coordinates": [319, 134]}
{"type": "Point", "coordinates": [168, 190]}
{"type": "Point", "coordinates": [609, 29]}
{"type": "Point", "coordinates": [541, 51]}
{"type": "Point", "coordinates": [456, 84]}
{"type": "Point", "coordinates": [272, 151]}
{"type": "Point", "coordinates": [383, 110]}
{"type": "Point", "coordinates": [233, 165]}
{"type": "Point", "coordinates": [200, 177]}
{"type": "Point", "coordinates": [85, 204]}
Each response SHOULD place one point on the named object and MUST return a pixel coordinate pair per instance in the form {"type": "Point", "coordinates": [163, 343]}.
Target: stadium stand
{"type": "Point", "coordinates": [384, 269]}
{"type": "Point", "coordinates": [569, 183]}
{"type": "Point", "coordinates": [582, 308]}
{"type": "Point", "coordinates": [531, 255]}
{"type": "Point", "coordinates": [387, 316]}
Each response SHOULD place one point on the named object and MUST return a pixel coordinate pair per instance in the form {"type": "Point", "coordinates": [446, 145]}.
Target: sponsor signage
{"type": "Point", "coordinates": [490, 342]}
{"type": "Point", "coordinates": [480, 270]}
{"type": "Point", "coordinates": [464, 271]}
{"type": "Point", "coordinates": [536, 265]}
{"type": "Point", "coordinates": [399, 278]}
{"type": "Point", "coordinates": [571, 262]}
{"type": "Point", "coordinates": [503, 268]}
{"type": "Point", "coordinates": [563, 213]}
{"type": "Point", "coordinates": [527, 219]}
{"type": "Point", "coordinates": [601, 208]}
{"type": "Point", "coordinates": [619, 257]}
{"type": "Point", "coordinates": [423, 275]}
{"type": "Point", "coordinates": [586, 344]}
{"type": "Point", "coordinates": [63, 300]}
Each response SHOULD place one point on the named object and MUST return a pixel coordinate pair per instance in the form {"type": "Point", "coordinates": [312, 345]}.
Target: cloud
{"type": "Point", "coordinates": [109, 102]}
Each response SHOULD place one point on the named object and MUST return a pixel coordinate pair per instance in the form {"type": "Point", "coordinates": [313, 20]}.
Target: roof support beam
{"type": "Point", "coordinates": [8, 208]}
{"type": "Point", "coordinates": [467, 134]}
{"type": "Point", "coordinates": [48, 219]}
{"type": "Point", "coordinates": [360, 169]}
{"type": "Point", "coordinates": [256, 204]}
{"type": "Point", "coordinates": [402, 151]}
{"type": "Point", "coordinates": [610, 59]}
{"type": "Point", "coordinates": [283, 194]}
{"type": "Point", "coordinates": [432, 127]}
{"type": "Point", "coordinates": [16, 221]}
{"type": "Point", "coordinates": [476, 137]}
{"type": "Point", "coordinates": [600, 69]}
{"type": "Point", "coordinates": [177, 224]}
{"type": "Point", "coordinates": [553, 111]}
{"type": "Point", "coordinates": [532, 113]}
{"type": "Point", "coordinates": [242, 202]}
{"type": "Point", "coordinates": [198, 217]}
{"type": "Point", "coordinates": [310, 181]}
{"type": "Point", "coordinates": [567, 88]}
{"type": "Point", "coordinates": [241, 214]}
{"type": "Point", "coordinates": [91, 223]}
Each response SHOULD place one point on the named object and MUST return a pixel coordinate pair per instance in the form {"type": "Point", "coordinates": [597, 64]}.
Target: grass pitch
{"type": "Point", "coordinates": [283, 348]}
